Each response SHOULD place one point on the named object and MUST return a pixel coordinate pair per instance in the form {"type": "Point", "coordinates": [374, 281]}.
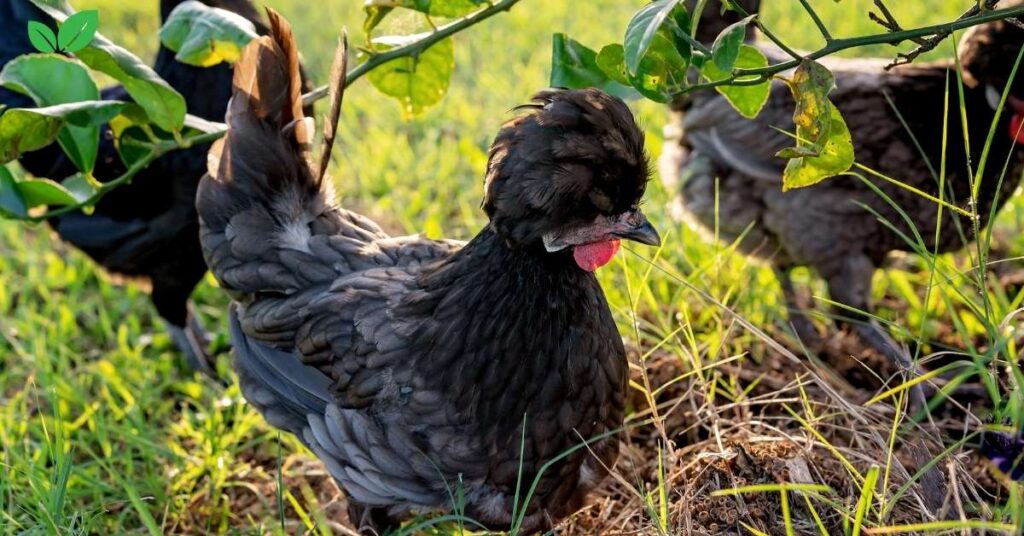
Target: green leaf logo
{"type": "Point", "coordinates": [41, 37]}
{"type": "Point", "coordinates": [78, 30]}
{"type": "Point", "coordinates": [75, 33]}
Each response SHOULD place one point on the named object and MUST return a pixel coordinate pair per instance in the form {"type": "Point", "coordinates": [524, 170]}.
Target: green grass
{"type": "Point", "coordinates": [102, 433]}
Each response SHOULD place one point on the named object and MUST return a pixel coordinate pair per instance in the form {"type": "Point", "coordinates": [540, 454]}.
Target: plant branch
{"type": "Point", "coordinates": [414, 48]}
{"type": "Point", "coordinates": [160, 148]}
{"type": "Point", "coordinates": [933, 41]}
{"type": "Point", "coordinates": [768, 33]}
{"type": "Point", "coordinates": [888, 21]}
{"type": "Point", "coordinates": [156, 151]}
{"type": "Point", "coordinates": [746, 77]}
{"type": "Point", "coordinates": [817, 21]}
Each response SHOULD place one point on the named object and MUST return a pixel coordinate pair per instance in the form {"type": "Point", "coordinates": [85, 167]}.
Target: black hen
{"type": "Point", "coordinates": [724, 167]}
{"type": "Point", "coordinates": [410, 366]}
{"type": "Point", "coordinates": [147, 229]}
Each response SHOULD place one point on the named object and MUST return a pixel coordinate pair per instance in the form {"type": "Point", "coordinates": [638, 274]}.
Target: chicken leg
{"type": "Point", "coordinates": [185, 328]}
{"type": "Point", "coordinates": [850, 286]}
{"type": "Point", "coordinates": [802, 326]}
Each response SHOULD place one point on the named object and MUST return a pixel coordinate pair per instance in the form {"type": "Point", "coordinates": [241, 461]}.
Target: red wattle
{"type": "Point", "coordinates": [1017, 127]}
{"type": "Point", "coordinates": [592, 256]}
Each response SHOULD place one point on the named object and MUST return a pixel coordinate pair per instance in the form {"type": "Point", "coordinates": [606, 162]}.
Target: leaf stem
{"type": "Point", "coordinates": [156, 151]}
{"type": "Point", "coordinates": [768, 33]}
{"type": "Point", "coordinates": [817, 21]}
{"type": "Point", "coordinates": [414, 48]}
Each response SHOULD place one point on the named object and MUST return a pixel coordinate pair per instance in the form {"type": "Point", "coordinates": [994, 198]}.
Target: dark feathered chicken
{"type": "Point", "coordinates": [406, 364]}
{"type": "Point", "coordinates": [147, 229]}
{"type": "Point", "coordinates": [825, 226]}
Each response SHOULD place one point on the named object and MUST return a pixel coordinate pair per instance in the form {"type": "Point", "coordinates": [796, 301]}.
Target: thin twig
{"type": "Point", "coordinates": [888, 21]}
{"type": "Point", "coordinates": [156, 151]}
{"type": "Point", "coordinates": [748, 77]}
{"type": "Point", "coordinates": [934, 40]}
{"type": "Point", "coordinates": [414, 48]}
{"type": "Point", "coordinates": [768, 33]}
{"type": "Point", "coordinates": [817, 21]}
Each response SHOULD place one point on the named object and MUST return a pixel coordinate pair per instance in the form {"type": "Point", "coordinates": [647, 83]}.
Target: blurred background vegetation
{"type": "Point", "coordinates": [101, 431]}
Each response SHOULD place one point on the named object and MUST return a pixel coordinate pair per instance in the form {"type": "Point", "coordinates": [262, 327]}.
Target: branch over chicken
{"type": "Point", "coordinates": [725, 170]}
{"type": "Point", "coordinates": [410, 366]}
{"type": "Point", "coordinates": [147, 229]}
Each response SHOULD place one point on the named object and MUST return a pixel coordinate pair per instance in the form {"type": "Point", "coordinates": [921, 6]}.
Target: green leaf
{"type": "Point", "coordinates": [726, 49]}
{"type": "Point", "coordinates": [418, 82]}
{"type": "Point", "coordinates": [22, 131]}
{"type": "Point", "coordinates": [811, 83]}
{"type": "Point", "coordinates": [34, 75]}
{"type": "Point", "coordinates": [78, 30]}
{"type": "Point", "coordinates": [38, 192]}
{"type": "Point", "coordinates": [747, 100]}
{"type": "Point", "coordinates": [652, 80]}
{"type": "Point", "coordinates": [642, 28]}
{"type": "Point", "coordinates": [41, 37]}
{"type": "Point", "coordinates": [612, 62]}
{"type": "Point", "coordinates": [80, 186]}
{"type": "Point", "coordinates": [205, 36]}
{"type": "Point", "coordinates": [163, 105]}
{"type": "Point", "coordinates": [12, 205]}
{"type": "Point", "coordinates": [130, 153]}
{"type": "Point", "coordinates": [835, 157]}
{"type": "Point", "coordinates": [678, 29]}
{"type": "Point", "coordinates": [374, 16]}
{"type": "Point", "coordinates": [27, 129]}
{"type": "Point", "coordinates": [574, 65]}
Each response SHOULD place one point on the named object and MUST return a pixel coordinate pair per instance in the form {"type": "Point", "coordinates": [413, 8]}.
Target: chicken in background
{"type": "Point", "coordinates": [147, 229]}
{"type": "Point", "coordinates": [413, 367]}
{"type": "Point", "coordinates": [725, 170]}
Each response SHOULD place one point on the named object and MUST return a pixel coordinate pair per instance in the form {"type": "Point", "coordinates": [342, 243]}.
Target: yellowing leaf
{"type": "Point", "coordinates": [811, 84]}
{"type": "Point", "coordinates": [205, 36]}
{"type": "Point", "coordinates": [835, 156]}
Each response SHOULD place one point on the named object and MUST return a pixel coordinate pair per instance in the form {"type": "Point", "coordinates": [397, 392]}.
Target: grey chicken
{"type": "Point", "coordinates": [410, 366]}
{"type": "Point", "coordinates": [826, 226]}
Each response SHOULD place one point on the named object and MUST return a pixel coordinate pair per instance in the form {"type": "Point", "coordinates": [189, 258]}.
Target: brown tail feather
{"type": "Point", "coordinates": [265, 157]}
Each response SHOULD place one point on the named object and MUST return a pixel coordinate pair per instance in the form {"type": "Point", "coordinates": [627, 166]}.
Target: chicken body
{"type": "Point", "coordinates": [147, 229]}
{"type": "Point", "coordinates": [415, 367]}
{"type": "Point", "coordinates": [842, 227]}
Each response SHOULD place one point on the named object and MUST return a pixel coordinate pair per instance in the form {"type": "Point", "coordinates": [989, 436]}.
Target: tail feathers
{"type": "Point", "coordinates": [262, 195]}
{"type": "Point", "coordinates": [265, 156]}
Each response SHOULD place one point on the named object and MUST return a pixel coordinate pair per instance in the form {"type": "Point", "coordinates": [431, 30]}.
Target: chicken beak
{"type": "Point", "coordinates": [630, 225]}
{"type": "Point", "coordinates": [639, 230]}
